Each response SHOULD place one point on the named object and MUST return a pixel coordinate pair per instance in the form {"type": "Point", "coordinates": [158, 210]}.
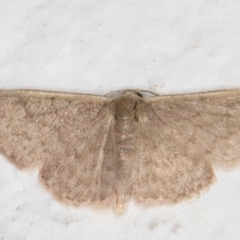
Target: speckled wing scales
{"type": "Point", "coordinates": [157, 151]}
{"type": "Point", "coordinates": [180, 139]}
{"type": "Point", "coordinates": [64, 135]}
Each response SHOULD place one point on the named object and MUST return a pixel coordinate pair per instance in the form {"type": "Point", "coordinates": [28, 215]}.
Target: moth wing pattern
{"type": "Point", "coordinates": [181, 140]}
{"type": "Point", "coordinates": [64, 135]}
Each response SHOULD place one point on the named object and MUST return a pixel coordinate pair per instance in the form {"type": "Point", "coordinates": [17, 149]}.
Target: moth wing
{"type": "Point", "coordinates": [179, 141]}
{"type": "Point", "coordinates": [64, 135]}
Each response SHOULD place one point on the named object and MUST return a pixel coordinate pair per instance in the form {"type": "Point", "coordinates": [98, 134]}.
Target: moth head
{"type": "Point", "coordinates": [126, 106]}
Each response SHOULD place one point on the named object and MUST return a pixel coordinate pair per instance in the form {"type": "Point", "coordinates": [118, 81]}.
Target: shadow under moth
{"type": "Point", "coordinates": [104, 151]}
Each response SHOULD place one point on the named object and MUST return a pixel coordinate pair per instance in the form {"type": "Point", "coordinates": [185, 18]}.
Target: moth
{"type": "Point", "coordinates": [104, 151]}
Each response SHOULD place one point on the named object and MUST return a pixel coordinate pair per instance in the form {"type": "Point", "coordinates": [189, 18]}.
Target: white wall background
{"type": "Point", "coordinates": [87, 46]}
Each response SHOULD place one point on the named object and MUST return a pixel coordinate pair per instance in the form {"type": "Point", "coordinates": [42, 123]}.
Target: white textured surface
{"type": "Point", "coordinates": [99, 46]}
